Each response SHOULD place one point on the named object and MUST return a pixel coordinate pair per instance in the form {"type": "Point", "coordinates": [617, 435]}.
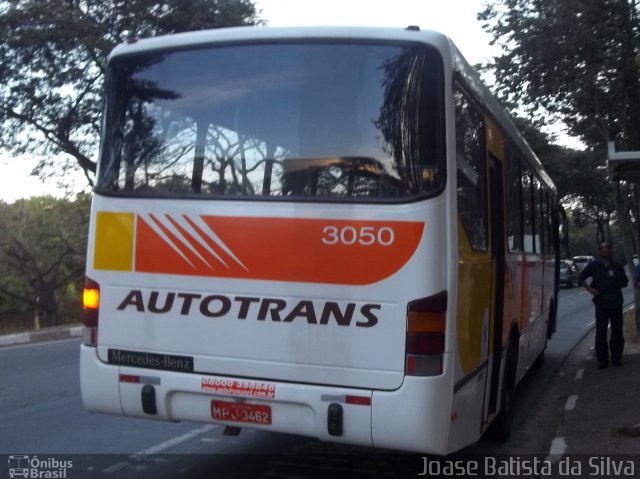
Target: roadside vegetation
{"type": "Point", "coordinates": [574, 61]}
{"type": "Point", "coordinates": [43, 242]}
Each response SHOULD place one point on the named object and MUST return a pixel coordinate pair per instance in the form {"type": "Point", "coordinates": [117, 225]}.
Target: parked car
{"type": "Point", "coordinates": [568, 273]}
{"type": "Point", "coordinates": [581, 261]}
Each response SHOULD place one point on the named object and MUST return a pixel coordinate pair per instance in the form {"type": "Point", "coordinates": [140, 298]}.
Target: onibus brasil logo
{"type": "Point", "coordinates": [36, 468]}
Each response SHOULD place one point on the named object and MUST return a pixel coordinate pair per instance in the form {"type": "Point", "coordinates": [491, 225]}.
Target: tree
{"type": "Point", "coordinates": [42, 251]}
{"type": "Point", "coordinates": [577, 61]}
{"type": "Point", "coordinates": [581, 181]}
{"type": "Point", "coordinates": [52, 65]}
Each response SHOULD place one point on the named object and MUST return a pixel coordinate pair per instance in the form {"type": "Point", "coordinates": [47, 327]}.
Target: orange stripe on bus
{"type": "Point", "coordinates": [279, 249]}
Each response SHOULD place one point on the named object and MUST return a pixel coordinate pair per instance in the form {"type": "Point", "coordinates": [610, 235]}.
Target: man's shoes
{"type": "Point", "coordinates": [603, 365]}
{"type": "Point", "coordinates": [616, 362]}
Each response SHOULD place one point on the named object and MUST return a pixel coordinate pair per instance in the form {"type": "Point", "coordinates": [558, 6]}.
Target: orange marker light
{"type": "Point", "coordinates": [91, 303]}
{"type": "Point", "coordinates": [91, 298]}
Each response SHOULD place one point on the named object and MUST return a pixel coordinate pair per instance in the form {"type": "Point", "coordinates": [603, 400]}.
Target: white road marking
{"type": "Point", "coordinates": [571, 402]}
{"type": "Point", "coordinates": [557, 449]}
{"type": "Point", "coordinates": [580, 373]}
{"type": "Point", "coordinates": [175, 441]}
{"type": "Point", "coordinates": [159, 448]}
{"type": "Point", "coordinates": [115, 467]}
{"type": "Point", "coordinates": [210, 439]}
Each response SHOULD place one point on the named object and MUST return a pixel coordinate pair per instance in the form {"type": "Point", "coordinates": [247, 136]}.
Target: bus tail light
{"type": "Point", "coordinates": [426, 324]}
{"type": "Point", "coordinates": [91, 304]}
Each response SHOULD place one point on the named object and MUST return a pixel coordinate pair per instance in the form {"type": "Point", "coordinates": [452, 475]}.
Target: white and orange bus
{"type": "Point", "coordinates": [332, 232]}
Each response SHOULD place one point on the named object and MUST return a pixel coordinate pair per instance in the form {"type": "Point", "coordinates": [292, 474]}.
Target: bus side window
{"type": "Point", "coordinates": [544, 220]}
{"type": "Point", "coordinates": [541, 224]}
{"type": "Point", "coordinates": [529, 211]}
{"type": "Point", "coordinates": [551, 249]}
{"type": "Point", "coordinates": [471, 171]}
{"type": "Point", "coordinates": [514, 203]}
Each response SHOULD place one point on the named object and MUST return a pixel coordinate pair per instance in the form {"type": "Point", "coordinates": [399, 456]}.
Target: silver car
{"type": "Point", "coordinates": [568, 273]}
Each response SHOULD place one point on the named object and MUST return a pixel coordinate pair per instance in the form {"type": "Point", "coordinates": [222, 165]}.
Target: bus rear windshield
{"type": "Point", "coordinates": [278, 121]}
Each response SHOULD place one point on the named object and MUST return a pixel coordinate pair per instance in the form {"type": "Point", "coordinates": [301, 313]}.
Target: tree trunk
{"type": "Point", "coordinates": [36, 319]}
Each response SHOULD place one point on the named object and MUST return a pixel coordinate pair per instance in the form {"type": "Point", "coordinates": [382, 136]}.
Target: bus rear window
{"type": "Point", "coordinates": [313, 120]}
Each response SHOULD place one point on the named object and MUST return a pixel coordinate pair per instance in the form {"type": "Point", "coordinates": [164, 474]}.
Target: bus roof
{"type": "Point", "coordinates": [258, 33]}
{"type": "Point", "coordinates": [451, 55]}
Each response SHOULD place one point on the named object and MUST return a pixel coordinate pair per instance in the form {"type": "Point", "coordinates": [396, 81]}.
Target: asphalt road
{"type": "Point", "coordinates": [41, 414]}
{"type": "Point", "coordinates": [537, 402]}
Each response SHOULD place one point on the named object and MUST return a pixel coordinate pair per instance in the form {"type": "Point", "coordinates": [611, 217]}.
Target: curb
{"type": "Point", "coordinates": [49, 334]}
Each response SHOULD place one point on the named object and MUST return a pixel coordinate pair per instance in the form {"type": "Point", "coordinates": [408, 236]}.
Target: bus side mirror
{"type": "Point", "coordinates": [564, 235]}
{"type": "Point", "coordinates": [563, 228]}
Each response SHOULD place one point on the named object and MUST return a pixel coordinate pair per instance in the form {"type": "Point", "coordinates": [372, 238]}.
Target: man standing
{"type": "Point", "coordinates": [608, 279]}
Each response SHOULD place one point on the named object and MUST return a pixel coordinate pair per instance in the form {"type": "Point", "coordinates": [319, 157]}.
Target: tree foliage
{"type": "Point", "coordinates": [580, 178]}
{"type": "Point", "coordinates": [581, 182]}
{"type": "Point", "coordinates": [576, 59]}
{"type": "Point", "coordinates": [52, 64]}
{"type": "Point", "coordinates": [42, 252]}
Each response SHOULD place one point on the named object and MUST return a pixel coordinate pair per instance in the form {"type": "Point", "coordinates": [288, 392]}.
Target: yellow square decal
{"type": "Point", "coordinates": [114, 241]}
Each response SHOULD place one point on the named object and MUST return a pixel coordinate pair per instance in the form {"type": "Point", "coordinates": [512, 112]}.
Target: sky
{"type": "Point", "coordinates": [455, 18]}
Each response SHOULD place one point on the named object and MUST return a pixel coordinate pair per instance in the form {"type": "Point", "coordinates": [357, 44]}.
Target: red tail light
{"type": "Point", "coordinates": [91, 304]}
{"type": "Point", "coordinates": [425, 342]}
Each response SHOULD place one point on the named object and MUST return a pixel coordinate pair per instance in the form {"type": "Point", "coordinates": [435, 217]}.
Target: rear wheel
{"type": "Point", "coordinates": [501, 426]}
{"type": "Point", "coordinates": [539, 362]}
{"type": "Point", "coordinates": [551, 322]}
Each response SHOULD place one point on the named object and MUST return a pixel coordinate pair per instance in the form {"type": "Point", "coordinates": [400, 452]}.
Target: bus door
{"type": "Point", "coordinates": [496, 228]}
{"type": "Point", "coordinates": [476, 261]}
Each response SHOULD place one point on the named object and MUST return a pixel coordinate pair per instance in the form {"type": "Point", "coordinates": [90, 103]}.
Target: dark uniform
{"type": "Point", "coordinates": [609, 281]}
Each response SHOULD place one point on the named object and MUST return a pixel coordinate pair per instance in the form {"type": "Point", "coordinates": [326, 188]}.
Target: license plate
{"type": "Point", "coordinates": [239, 412]}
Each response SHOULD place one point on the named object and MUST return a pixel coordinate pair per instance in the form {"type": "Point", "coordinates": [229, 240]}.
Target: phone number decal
{"type": "Point", "coordinates": [236, 387]}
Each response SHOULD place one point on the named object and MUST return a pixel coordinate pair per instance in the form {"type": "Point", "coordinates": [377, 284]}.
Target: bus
{"type": "Point", "coordinates": [329, 232]}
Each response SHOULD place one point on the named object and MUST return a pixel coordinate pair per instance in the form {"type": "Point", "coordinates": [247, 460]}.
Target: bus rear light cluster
{"type": "Point", "coordinates": [91, 304]}
{"type": "Point", "coordinates": [426, 324]}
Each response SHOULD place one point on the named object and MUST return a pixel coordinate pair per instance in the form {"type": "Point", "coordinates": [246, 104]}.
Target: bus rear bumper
{"type": "Point", "coordinates": [415, 417]}
{"type": "Point", "coordinates": [267, 405]}
{"type": "Point", "coordinates": [420, 416]}
{"type": "Point", "coordinates": [98, 383]}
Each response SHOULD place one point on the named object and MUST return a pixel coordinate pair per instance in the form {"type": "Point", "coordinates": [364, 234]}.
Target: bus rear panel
{"type": "Point", "coordinates": [274, 240]}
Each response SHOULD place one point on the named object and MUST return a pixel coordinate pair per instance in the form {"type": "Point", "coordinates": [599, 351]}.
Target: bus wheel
{"type": "Point", "coordinates": [539, 362]}
{"type": "Point", "coordinates": [551, 326]}
{"type": "Point", "coordinates": [501, 426]}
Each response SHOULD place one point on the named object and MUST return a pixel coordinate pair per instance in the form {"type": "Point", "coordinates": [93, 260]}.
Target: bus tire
{"type": "Point", "coordinates": [500, 428]}
{"type": "Point", "coordinates": [539, 362]}
{"type": "Point", "coordinates": [551, 324]}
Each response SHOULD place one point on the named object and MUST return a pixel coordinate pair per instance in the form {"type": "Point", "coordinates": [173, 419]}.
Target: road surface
{"type": "Point", "coordinates": [41, 414]}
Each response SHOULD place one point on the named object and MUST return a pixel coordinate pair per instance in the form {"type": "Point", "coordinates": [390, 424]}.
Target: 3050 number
{"type": "Point", "coordinates": [365, 235]}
